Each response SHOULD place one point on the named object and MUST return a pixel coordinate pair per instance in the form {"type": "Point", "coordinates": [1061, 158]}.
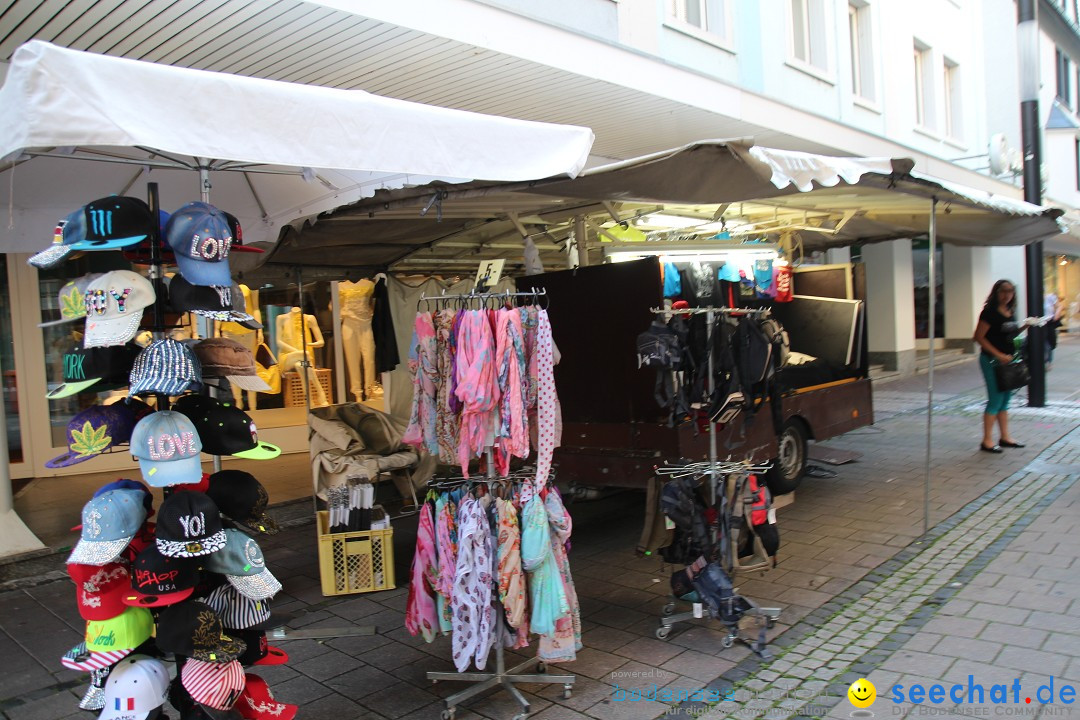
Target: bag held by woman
{"type": "Point", "coordinates": [1011, 375]}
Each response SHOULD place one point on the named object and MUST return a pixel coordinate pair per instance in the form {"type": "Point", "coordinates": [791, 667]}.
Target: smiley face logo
{"type": "Point", "coordinates": [862, 693]}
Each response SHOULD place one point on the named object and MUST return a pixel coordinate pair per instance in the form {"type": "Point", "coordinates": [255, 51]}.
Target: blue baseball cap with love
{"type": "Point", "coordinates": [167, 447]}
{"type": "Point", "coordinates": [200, 238]}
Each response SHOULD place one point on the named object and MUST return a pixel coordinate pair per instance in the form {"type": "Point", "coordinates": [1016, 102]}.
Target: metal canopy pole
{"type": "Point", "coordinates": [204, 196]}
{"type": "Point", "coordinates": [930, 374]}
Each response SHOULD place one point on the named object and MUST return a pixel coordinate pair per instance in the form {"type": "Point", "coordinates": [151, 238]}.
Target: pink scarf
{"type": "Point", "coordinates": [477, 386]}
{"type": "Point", "coordinates": [421, 617]}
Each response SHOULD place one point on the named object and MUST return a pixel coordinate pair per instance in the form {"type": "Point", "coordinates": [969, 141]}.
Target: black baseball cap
{"type": "Point", "coordinates": [104, 368]}
{"type": "Point", "coordinates": [158, 580]}
{"type": "Point", "coordinates": [224, 428]}
{"type": "Point", "coordinates": [242, 498]}
{"type": "Point", "coordinates": [193, 629]}
{"type": "Point", "coordinates": [189, 525]}
{"type": "Point", "coordinates": [115, 222]}
{"type": "Point", "coordinates": [216, 303]}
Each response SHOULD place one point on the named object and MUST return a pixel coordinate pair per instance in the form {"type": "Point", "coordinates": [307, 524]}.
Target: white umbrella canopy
{"type": "Point", "coordinates": [294, 150]}
{"type": "Point", "coordinates": [76, 126]}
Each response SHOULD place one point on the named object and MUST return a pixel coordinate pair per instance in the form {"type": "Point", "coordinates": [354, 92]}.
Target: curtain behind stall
{"type": "Point", "coordinates": [404, 295]}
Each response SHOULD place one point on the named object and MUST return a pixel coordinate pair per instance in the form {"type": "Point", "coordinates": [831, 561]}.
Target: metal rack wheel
{"type": "Point", "coordinates": [728, 641]}
{"type": "Point", "coordinates": [567, 691]}
{"type": "Point", "coordinates": [521, 716]}
{"type": "Point", "coordinates": [770, 623]}
{"type": "Point", "coordinates": [662, 632]}
{"type": "Point", "coordinates": [669, 609]}
{"type": "Point", "coordinates": [448, 713]}
{"type": "Point", "coordinates": [541, 667]}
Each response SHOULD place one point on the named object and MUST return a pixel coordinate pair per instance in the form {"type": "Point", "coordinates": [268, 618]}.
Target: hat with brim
{"type": "Point", "coordinates": [82, 660]}
{"type": "Point", "coordinates": [258, 703]}
{"type": "Point", "coordinates": [261, 451]}
{"type": "Point", "coordinates": [94, 431]}
{"type": "Point", "coordinates": [126, 631]}
{"type": "Point", "coordinates": [51, 257]}
{"type": "Point", "coordinates": [136, 687]}
{"type": "Point", "coordinates": [253, 383]}
{"type": "Point", "coordinates": [114, 222]}
{"type": "Point", "coordinates": [180, 471]}
{"type": "Point", "coordinates": [68, 231]}
{"type": "Point", "coordinates": [72, 388]}
{"type": "Point", "coordinates": [72, 300]}
{"type": "Point", "coordinates": [242, 563]}
{"type": "Point", "coordinates": [114, 331]}
{"type": "Point", "coordinates": [109, 522]}
{"type": "Point", "coordinates": [214, 302]}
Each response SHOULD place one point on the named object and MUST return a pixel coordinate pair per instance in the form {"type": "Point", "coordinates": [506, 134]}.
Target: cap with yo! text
{"type": "Point", "coordinates": [189, 525]}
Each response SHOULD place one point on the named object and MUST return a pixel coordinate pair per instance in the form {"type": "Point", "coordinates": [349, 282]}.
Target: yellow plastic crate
{"type": "Point", "coordinates": [355, 562]}
{"type": "Point", "coordinates": [293, 387]}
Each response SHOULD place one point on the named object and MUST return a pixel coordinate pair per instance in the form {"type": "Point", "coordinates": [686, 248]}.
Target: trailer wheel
{"type": "Point", "coordinates": [790, 463]}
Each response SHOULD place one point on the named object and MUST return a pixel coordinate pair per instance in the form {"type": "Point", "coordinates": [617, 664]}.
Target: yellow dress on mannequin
{"type": "Point", "coordinates": [357, 309]}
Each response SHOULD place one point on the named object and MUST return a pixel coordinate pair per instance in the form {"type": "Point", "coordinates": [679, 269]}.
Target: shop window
{"type": "Point", "coordinates": [953, 104]}
{"type": "Point", "coordinates": [709, 16]}
{"type": "Point", "coordinates": [58, 340]}
{"type": "Point", "coordinates": [924, 86]}
{"type": "Point", "coordinates": [862, 51]}
{"type": "Point", "coordinates": [7, 366]}
{"type": "Point", "coordinates": [1064, 78]}
{"type": "Point", "coordinates": [809, 39]}
{"type": "Point", "coordinates": [920, 254]}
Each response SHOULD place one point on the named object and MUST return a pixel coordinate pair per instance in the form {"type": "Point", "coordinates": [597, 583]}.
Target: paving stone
{"type": "Point", "coordinates": [336, 706]}
{"type": "Point", "coordinates": [1032, 660]}
{"type": "Point", "coordinates": [558, 712]}
{"type": "Point", "coordinates": [47, 708]}
{"type": "Point", "coordinates": [358, 683]}
{"type": "Point", "coordinates": [627, 710]}
{"type": "Point", "coordinates": [907, 661]}
{"type": "Point", "coordinates": [396, 699]}
{"type": "Point", "coordinates": [607, 639]}
{"type": "Point", "coordinates": [326, 665]}
{"type": "Point", "coordinates": [586, 693]}
{"type": "Point", "coordinates": [647, 650]}
{"type": "Point", "coordinates": [301, 690]}
{"type": "Point", "coordinates": [596, 664]}
{"type": "Point", "coordinates": [962, 647]}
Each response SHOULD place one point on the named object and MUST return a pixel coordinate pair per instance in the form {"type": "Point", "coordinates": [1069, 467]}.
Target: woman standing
{"type": "Point", "coordinates": [995, 332]}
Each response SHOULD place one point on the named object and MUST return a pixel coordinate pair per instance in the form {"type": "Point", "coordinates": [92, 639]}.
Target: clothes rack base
{"type": "Point", "coordinates": [501, 677]}
{"type": "Point", "coordinates": [765, 617]}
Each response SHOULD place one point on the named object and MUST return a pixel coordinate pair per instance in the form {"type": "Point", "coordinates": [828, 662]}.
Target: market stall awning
{"type": "Point", "coordinates": [748, 191]}
{"type": "Point", "coordinates": [295, 150]}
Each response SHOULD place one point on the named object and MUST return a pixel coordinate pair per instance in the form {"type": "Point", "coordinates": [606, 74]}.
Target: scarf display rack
{"type": "Point", "coordinates": [727, 472]}
{"type": "Point", "coordinates": [501, 676]}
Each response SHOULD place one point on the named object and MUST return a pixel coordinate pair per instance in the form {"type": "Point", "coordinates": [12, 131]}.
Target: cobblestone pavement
{"type": "Point", "coordinates": [993, 591]}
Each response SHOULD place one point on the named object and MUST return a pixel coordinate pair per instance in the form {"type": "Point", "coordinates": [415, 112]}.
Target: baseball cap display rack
{"type": "Point", "coordinates": [726, 473]}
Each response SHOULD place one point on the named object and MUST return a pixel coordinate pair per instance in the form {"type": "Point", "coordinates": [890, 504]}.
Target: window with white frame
{"type": "Point", "coordinates": [809, 39]}
{"type": "Point", "coordinates": [862, 51]}
{"type": "Point", "coordinates": [1064, 77]}
{"type": "Point", "coordinates": [953, 104]}
{"type": "Point", "coordinates": [924, 87]}
{"type": "Point", "coordinates": [707, 15]}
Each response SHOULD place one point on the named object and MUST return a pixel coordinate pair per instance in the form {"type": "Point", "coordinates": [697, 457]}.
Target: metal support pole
{"type": "Point", "coordinates": [1028, 46]}
{"type": "Point", "coordinates": [303, 344]}
{"type": "Point", "coordinates": [581, 235]}
{"type": "Point", "coordinates": [932, 331]}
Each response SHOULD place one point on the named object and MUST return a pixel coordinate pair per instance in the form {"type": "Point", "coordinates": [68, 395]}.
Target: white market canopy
{"type": "Point", "coordinates": [294, 150]}
{"type": "Point", "coordinates": [758, 191]}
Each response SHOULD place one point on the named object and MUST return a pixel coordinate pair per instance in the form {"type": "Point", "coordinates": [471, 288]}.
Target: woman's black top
{"type": "Point", "coordinates": [1002, 330]}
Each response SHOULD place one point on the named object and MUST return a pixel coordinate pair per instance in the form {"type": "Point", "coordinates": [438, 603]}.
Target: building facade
{"type": "Point", "coordinates": [933, 80]}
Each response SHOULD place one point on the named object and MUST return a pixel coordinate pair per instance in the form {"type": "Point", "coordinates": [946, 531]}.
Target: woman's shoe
{"type": "Point", "coordinates": [1006, 443]}
{"type": "Point", "coordinates": [994, 449]}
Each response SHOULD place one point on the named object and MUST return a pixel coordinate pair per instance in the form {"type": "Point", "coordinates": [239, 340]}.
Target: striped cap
{"type": "Point", "coordinates": [237, 611]}
{"type": "Point", "coordinates": [81, 659]}
{"type": "Point", "coordinates": [167, 367]}
{"type": "Point", "coordinates": [215, 685]}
